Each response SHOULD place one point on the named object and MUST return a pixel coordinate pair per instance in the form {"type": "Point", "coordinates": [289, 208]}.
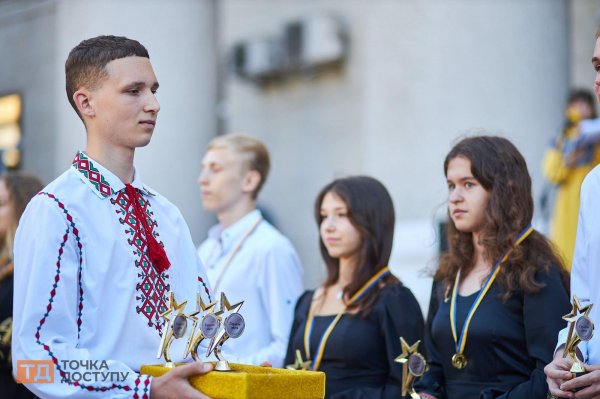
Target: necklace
{"type": "Point", "coordinates": [235, 251]}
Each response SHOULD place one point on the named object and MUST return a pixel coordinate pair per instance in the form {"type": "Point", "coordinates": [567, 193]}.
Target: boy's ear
{"type": "Point", "coordinates": [251, 181]}
{"type": "Point", "coordinates": [82, 100]}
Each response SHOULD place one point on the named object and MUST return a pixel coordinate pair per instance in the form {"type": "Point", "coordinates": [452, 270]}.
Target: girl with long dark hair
{"type": "Point", "coordinates": [500, 291]}
{"type": "Point", "coordinates": [349, 327]}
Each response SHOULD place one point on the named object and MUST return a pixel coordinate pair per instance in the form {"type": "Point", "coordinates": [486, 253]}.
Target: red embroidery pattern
{"type": "Point", "coordinates": [146, 389]}
{"type": "Point", "coordinates": [86, 167]}
{"type": "Point", "coordinates": [70, 228]}
{"type": "Point", "coordinates": [152, 288]}
{"type": "Point", "coordinates": [201, 281]}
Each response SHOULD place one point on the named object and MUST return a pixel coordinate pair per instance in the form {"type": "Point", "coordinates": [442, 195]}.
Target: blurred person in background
{"type": "Point", "coordinates": [349, 327]}
{"type": "Point", "coordinates": [245, 256]}
{"type": "Point", "coordinates": [16, 189]}
{"type": "Point", "coordinates": [573, 154]}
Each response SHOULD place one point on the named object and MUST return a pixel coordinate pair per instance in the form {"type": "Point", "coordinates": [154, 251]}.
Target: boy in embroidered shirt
{"type": "Point", "coordinates": [245, 256]}
{"type": "Point", "coordinates": [97, 251]}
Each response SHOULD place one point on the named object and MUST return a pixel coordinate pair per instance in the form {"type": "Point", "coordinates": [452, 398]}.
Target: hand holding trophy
{"type": "Point", "coordinates": [413, 365]}
{"type": "Point", "coordinates": [248, 381]}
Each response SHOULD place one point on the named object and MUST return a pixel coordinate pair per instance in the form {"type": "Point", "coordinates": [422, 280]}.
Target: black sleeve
{"type": "Point", "coordinates": [300, 314]}
{"type": "Point", "coordinates": [398, 315]}
{"type": "Point", "coordinates": [432, 381]}
{"type": "Point", "coordinates": [542, 316]}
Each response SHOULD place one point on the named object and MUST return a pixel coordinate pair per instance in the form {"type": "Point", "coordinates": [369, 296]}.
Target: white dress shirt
{"type": "Point", "coordinates": [266, 274]}
{"type": "Point", "coordinates": [585, 274]}
{"type": "Point", "coordinates": [85, 289]}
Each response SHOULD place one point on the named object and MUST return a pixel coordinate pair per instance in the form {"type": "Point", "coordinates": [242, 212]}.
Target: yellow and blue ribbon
{"type": "Point", "coordinates": [311, 316]}
{"type": "Point", "coordinates": [461, 341]}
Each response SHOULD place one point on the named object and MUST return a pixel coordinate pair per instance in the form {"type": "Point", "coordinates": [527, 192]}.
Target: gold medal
{"type": "Point", "coordinates": [459, 361]}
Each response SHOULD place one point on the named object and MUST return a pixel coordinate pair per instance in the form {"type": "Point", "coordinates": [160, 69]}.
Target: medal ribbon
{"type": "Point", "coordinates": [311, 316]}
{"type": "Point", "coordinates": [462, 341]}
{"type": "Point", "coordinates": [235, 251]}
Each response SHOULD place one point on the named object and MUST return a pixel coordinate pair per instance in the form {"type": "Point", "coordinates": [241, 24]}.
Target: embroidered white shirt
{"type": "Point", "coordinates": [85, 289]}
{"type": "Point", "coordinates": [266, 274]}
{"type": "Point", "coordinates": [585, 273]}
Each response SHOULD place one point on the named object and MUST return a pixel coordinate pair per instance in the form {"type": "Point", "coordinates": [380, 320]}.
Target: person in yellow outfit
{"type": "Point", "coordinates": [574, 153]}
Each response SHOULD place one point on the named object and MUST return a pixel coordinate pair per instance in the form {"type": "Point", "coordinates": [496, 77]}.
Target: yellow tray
{"type": "Point", "coordinates": [254, 382]}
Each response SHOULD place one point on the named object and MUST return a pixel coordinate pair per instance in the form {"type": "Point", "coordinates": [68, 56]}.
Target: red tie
{"type": "Point", "coordinates": [156, 252]}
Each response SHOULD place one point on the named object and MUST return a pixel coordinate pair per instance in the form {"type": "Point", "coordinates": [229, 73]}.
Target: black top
{"type": "Point", "coordinates": [508, 344]}
{"type": "Point", "coordinates": [8, 387]}
{"type": "Point", "coordinates": [359, 356]}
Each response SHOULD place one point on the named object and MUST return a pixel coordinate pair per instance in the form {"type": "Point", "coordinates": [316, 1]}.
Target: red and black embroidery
{"type": "Point", "coordinates": [71, 228]}
{"type": "Point", "coordinates": [152, 288]}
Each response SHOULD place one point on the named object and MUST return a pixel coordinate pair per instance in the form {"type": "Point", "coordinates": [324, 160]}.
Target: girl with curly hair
{"type": "Point", "coordinates": [500, 291]}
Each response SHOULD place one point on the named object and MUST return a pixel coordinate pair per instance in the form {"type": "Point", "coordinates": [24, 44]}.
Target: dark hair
{"type": "Point", "coordinates": [371, 212]}
{"type": "Point", "coordinates": [85, 65]}
{"type": "Point", "coordinates": [21, 187]}
{"type": "Point", "coordinates": [501, 170]}
{"type": "Point", "coordinates": [585, 96]}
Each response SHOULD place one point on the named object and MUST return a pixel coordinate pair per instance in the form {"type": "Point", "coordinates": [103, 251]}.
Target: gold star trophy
{"type": "Point", "coordinates": [581, 328]}
{"type": "Point", "coordinates": [233, 326]}
{"type": "Point", "coordinates": [413, 365]}
{"type": "Point", "coordinates": [174, 328]}
{"type": "Point", "coordinates": [209, 325]}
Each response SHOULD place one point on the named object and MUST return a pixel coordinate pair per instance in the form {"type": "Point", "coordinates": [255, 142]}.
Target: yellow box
{"type": "Point", "coordinates": [254, 382]}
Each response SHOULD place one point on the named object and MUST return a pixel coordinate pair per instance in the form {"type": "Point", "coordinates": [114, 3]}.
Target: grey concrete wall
{"type": "Point", "coordinates": [420, 74]}
{"type": "Point", "coordinates": [27, 54]}
{"type": "Point", "coordinates": [584, 20]}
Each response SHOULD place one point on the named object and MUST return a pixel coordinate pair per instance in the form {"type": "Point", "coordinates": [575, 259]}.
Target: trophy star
{"type": "Point", "coordinates": [222, 336]}
{"type": "Point", "coordinates": [407, 350]}
{"type": "Point", "coordinates": [201, 307]}
{"type": "Point", "coordinates": [167, 335]}
{"type": "Point", "coordinates": [206, 309]}
{"type": "Point", "coordinates": [577, 310]}
{"type": "Point", "coordinates": [225, 305]}
{"type": "Point", "coordinates": [173, 306]}
{"type": "Point", "coordinates": [408, 376]}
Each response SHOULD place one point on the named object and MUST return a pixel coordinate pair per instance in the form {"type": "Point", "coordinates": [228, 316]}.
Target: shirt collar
{"type": "Point", "coordinates": [102, 181]}
{"type": "Point", "coordinates": [236, 231]}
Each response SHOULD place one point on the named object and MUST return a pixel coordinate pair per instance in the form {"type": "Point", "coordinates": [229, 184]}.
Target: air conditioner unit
{"type": "Point", "coordinates": [315, 41]}
{"type": "Point", "coordinates": [258, 59]}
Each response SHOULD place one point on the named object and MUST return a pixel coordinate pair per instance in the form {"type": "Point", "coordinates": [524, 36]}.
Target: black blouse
{"type": "Point", "coordinates": [508, 344]}
{"type": "Point", "coordinates": [8, 387]}
{"type": "Point", "coordinates": [359, 356]}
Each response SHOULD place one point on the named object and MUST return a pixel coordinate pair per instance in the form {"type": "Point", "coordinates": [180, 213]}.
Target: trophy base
{"type": "Point", "coordinates": [169, 365]}
{"type": "Point", "coordinates": [253, 382]}
{"type": "Point", "coordinates": [222, 365]}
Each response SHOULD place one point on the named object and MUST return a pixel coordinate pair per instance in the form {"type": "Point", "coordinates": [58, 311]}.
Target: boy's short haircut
{"type": "Point", "coordinates": [254, 152]}
{"type": "Point", "coordinates": [85, 65]}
